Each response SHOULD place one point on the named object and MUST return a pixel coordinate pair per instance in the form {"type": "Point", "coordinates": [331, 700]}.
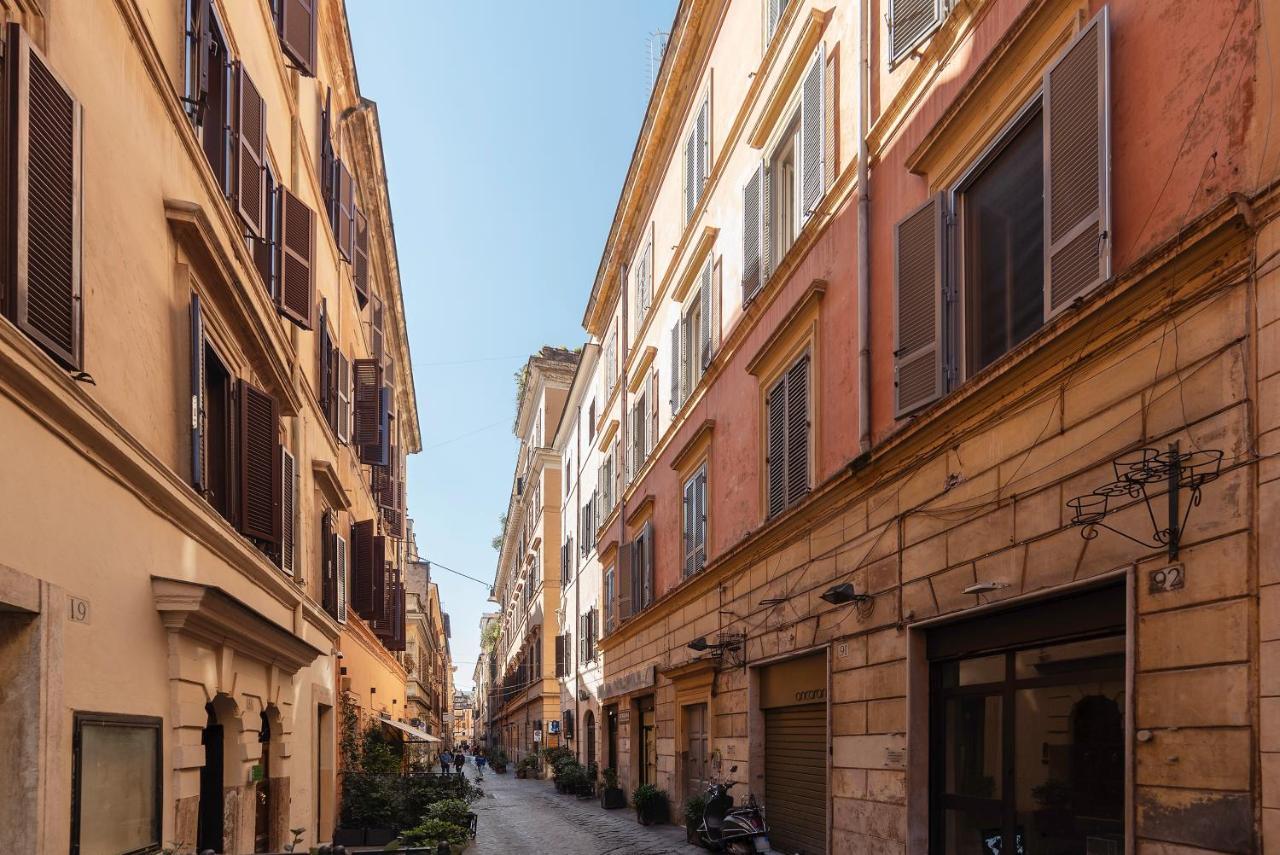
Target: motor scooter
{"type": "Point", "coordinates": [737, 830]}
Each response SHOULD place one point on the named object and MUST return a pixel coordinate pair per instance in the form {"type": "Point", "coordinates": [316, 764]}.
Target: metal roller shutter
{"type": "Point", "coordinates": [795, 775]}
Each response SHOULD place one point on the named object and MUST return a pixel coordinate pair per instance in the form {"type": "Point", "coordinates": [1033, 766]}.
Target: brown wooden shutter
{"type": "Point", "coordinates": [264, 248]}
{"type": "Point", "coordinates": [46, 179]}
{"type": "Point", "coordinates": [198, 478]}
{"type": "Point", "coordinates": [297, 259]}
{"type": "Point", "coordinates": [250, 148]}
{"type": "Point", "coordinates": [361, 265]}
{"type": "Point", "coordinates": [202, 38]}
{"type": "Point", "coordinates": [776, 448]}
{"type": "Point", "coordinates": [324, 349]}
{"type": "Point", "coordinates": [298, 33]}
{"type": "Point", "coordinates": [917, 308]}
{"type": "Point", "coordinates": [362, 561]}
{"type": "Point", "coordinates": [259, 446]}
{"type": "Point", "coordinates": [288, 506]}
{"type": "Point", "coordinates": [910, 21]}
{"type": "Point", "coordinates": [326, 152]}
{"type": "Point", "coordinates": [797, 431]}
{"type": "Point", "coordinates": [1077, 168]}
{"type": "Point", "coordinates": [367, 380]}
{"type": "Point", "coordinates": [625, 555]}
{"type": "Point", "coordinates": [753, 235]}
{"type": "Point", "coordinates": [377, 452]}
{"type": "Point", "coordinates": [560, 655]}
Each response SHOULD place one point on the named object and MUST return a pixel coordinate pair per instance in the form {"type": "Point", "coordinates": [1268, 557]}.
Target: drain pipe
{"type": "Point", "coordinates": [864, 216]}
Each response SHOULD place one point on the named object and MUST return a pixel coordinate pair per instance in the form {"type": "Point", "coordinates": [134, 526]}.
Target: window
{"type": "Point", "coordinates": [1033, 233]}
{"type": "Point", "coordinates": [643, 283]}
{"type": "Point", "coordinates": [784, 192]}
{"type": "Point", "coordinates": [41, 211]}
{"type": "Point", "coordinates": [591, 421]}
{"type": "Point", "coordinates": [694, 522]}
{"type": "Point", "coordinates": [1001, 221]}
{"type": "Point", "coordinates": [642, 569]}
{"type": "Point", "coordinates": [644, 426]}
{"type": "Point", "coordinates": [691, 341]}
{"type": "Point", "coordinates": [611, 589]}
{"type": "Point", "coordinates": [296, 24]}
{"type": "Point", "coordinates": [787, 438]}
{"type": "Point", "coordinates": [911, 22]}
{"type": "Point", "coordinates": [588, 630]}
{"type": "Point", "coordinates": [697, 157]}
{"type": "Point", "coordinates": [116, 784]}
{"type": "Point", "coordinates": [611, 362]}
{"type": "Point", "coordinates": [773, 14]}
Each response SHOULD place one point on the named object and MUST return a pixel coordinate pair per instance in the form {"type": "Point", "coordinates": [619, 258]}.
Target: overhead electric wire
{"type": "Point", "coordinates": [431, 564]}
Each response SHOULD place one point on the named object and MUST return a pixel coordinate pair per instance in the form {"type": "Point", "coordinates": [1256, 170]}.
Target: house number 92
{"type": "Point", "coordinates": [1165, 579]}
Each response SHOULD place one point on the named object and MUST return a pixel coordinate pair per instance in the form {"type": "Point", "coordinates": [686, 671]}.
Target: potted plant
{"type": "Point", "coordinates": [498, 762]}
{"type": "Point", "coordinates": [651, 804]}
{"type": "Point", "coordinates": [528, 766]}
{"type": "Point", "coordinates": [431, 833]}
{"type": "Point", "coordinates": [694, 808]}
{"type": "Point", "coordinates": [612, 797]}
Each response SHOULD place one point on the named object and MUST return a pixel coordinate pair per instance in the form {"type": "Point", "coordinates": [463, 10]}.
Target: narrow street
{"type": "Point", "coordinates": [531, 817]}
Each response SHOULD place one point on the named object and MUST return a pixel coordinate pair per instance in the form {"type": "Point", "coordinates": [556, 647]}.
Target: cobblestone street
{"type": "Point", "coordinates": [531, 817]}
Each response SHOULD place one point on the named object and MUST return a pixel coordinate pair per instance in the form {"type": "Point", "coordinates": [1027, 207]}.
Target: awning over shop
{"type": "Point", "coordinates": [415, 735]}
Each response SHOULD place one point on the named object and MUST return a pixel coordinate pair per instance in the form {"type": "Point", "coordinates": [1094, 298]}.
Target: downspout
{"type": "Point", "coordinates": [577, 509]}
{"type": "Point", "coordinates": [864, 215]}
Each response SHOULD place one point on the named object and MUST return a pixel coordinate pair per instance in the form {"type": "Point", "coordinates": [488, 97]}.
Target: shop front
{"type": "Point", "coordinates": [1027, 721]}
{"type": "Point", "coordinates": [795, 751]}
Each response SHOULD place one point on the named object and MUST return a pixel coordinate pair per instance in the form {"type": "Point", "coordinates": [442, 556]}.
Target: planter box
{"type": "Point", "coordinates": [612, 799]}
{"type": "Point", "coordinates": [348, 837]}
{"type": "Point", "coordinates": [378, 836]}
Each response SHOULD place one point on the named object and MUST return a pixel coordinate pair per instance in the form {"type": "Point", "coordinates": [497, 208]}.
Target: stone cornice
{"type": "Point", "coordinates": [326, 478]}
{"type": "Point", "coordinates": [211, 615]}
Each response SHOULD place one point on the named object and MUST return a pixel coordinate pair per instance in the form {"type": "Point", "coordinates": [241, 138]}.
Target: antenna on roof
{"type": "Point", "coordinates": [657, 46]}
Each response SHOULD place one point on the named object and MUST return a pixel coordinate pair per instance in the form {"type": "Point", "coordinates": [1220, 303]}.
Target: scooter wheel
{"type": "Point", "coordinates": [739, 847]}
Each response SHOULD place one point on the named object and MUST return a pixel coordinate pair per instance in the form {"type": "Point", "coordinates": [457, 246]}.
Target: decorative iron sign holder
{"type": "Point", "coordinates": [1137, 473]}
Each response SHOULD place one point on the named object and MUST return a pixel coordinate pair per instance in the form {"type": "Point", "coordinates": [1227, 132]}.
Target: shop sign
{"type": "Point", "coordinates": [624, 684]}
{"type": "Point", "coordinates": [794, 682]}
{"type": "Point", "coordinates": [537, 736]}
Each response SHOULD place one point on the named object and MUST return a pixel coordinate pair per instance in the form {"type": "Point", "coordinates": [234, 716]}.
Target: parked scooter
{"type": "Point", "coordinates": [737, 830]}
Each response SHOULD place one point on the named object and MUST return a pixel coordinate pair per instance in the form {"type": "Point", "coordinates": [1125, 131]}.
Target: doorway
{"type": "Point", "coordinates": [589, 736]}
{"type": "Point", "coordinates": [695, 750]}
{"type": "Point", "coordinates": [209, 821]}
{"type": "Point", "coordinates": [1027, 735]}
{"type": "Point", "coordinates": [611, 737]}
{"type": "Point", "coordinates": [647, 745]}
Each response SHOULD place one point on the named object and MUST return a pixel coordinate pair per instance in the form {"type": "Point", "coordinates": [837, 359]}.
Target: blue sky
{"type": "Point", "coordinates": [507, 130]}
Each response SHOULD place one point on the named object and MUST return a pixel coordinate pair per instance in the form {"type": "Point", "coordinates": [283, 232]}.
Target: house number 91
{"type": "Point", "coordinates": [1165, 579]}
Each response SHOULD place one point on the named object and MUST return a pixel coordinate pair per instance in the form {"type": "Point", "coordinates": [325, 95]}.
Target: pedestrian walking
{"type": "Point", "coordinates": [459, 760]}
{"type": "Point", "coordinates": [480, 761]}
{"type": "Point", "coordinates": [446, 760]}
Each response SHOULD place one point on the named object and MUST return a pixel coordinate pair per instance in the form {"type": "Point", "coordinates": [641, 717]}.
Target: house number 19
{"type": "Point", "coordinates": [79, 610]}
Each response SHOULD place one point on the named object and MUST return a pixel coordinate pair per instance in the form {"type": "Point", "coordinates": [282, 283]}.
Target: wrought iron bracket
{"type": "Point", "coordinates": [1139, 472]}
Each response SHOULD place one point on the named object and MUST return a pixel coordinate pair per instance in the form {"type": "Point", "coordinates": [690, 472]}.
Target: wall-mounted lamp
{"type": "Point", "coordinates": [843, 593]}
{"type": "Point", "coordinates": [699, 644]}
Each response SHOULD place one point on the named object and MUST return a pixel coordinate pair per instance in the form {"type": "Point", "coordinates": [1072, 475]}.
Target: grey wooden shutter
{"type": "Point", "coordinates": [675, 369]}
{"type": "Point", "coordinates": [776, 448]}
{"type": "Point", "coordinates": [705, 299]}
{"type": "Point", "coordinates": [773, 14]}
{"type": "Point", "coordinates": [198, 479]}
{"type": "Point", "coordinates": [289, 496]}
{"type": "Point", "coordinates": [625, 554]}
{"type": "Point", "coordinates": [202, 39]}
{"type": "Point", "coordinates": [341, 570]}
{"type": "Point", "coordinates": [344, 211]}
{"type": "Point", "coordinates": [324, 347]}
{"type": "Point", "coordinates": [812, 135]}
{"type": "Point", "coordinates": [688, 528]}
{"type": "Point", "coordinates": [797, 430]}
{"type": "Point", "coordinates": [702, 143]}
{"type": "Point", "coordinates": [646, 580]}
{"type": "Point", "coordinates": [1077, 168]}
{"type": "Point", "coordinates": [375, 327]}
{"type": "Point", "coordinates": [328, 578]}
{"type": "Point", "coordinates": [910, 21]}
{"type": "Point", "coordinates": [651, 436]}
{"type": "Point", "coordinates": [46, 266]}
{"type": "Point", "coordinates": [752, 234]}
{"type": "Point", "coordinates": [917, 308]}
{"type": "Point", "coordinates": [700, 519]}
{"type": "Point", "coordinates": [690, 173]}
{"type": "Point", "coordinates": [259, 446]}
{"type": "Point", "coordinates": [298, 33]}
{"type": "Point", "coordinates": [766, 225]}
{"type": "Point", "coordinates": [685, 358]}
{"type": "Point", "coordinates": [296, 259]}
{"type": "Point", "coordinates": [250, 148]}
{"type": "Point", "coordinates": [344, 398]}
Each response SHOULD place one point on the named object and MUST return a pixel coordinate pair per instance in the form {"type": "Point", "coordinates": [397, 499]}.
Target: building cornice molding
{"type": "Point", "coordinates": [210, 614]}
